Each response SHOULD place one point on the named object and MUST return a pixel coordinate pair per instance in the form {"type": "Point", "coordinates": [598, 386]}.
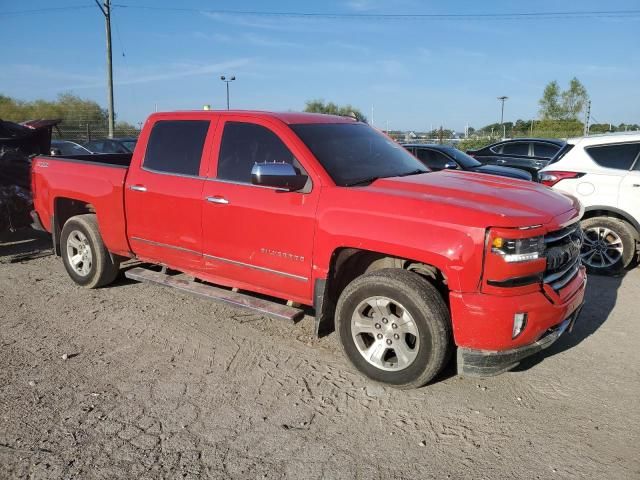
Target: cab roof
{"type": "Point", "coordinates": [286, 117]}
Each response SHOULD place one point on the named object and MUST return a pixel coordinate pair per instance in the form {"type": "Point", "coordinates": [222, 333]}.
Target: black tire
{"type": "Point", "coordinates": [102, 270]}
{"type": "Point", "coordinates": [627, 236]}
{"type": "Point", "coordinates": [430, 315]}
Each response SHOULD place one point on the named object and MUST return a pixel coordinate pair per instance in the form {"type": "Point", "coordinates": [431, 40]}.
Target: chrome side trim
{"type": "Point", "coordinates": [256, 267]}
{"type": "Point", "coordinates": [244, 184]}
{"type": "Point", "coordinates": [221, 259]}
{"type": "Point", "coordinates": [171, 174]}
{"type": "Point", "coordinates": [166, 245]}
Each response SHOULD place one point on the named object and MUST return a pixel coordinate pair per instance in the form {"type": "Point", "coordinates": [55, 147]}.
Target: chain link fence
{"type": "Point", "coordinates": [88, 132]}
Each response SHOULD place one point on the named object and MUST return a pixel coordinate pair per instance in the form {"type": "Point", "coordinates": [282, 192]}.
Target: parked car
{"type": "Point", "coordinates": [67, 148]}
{"type": "Point", "coordinates": [530, 154]}
{"type": "Point", "coordinates": [18, 144]}
{"type": "Point", "coordinates": [440, 157]}
{"type": "Point", "coordinates": [326, 211]}
{"type": "Point", "coordinates": [603, 172]}
{"type": "Point", "coordinates": [112, 145]}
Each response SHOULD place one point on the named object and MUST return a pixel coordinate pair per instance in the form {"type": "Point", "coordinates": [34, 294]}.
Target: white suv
{"type": "Point", "coordinates": [603, 172]}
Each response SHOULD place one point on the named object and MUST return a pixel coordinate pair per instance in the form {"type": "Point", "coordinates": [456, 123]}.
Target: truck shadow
{"type": "Point", "coordinates": [600, 300]}
{"type": "Point", "coordinates": [24, 244]}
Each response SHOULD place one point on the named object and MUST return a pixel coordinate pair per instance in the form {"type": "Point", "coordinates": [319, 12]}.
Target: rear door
{"type": "Point", "coordinates": [613, 183]}
{"type": "Point", "coordinates": [542, 153]}
{"type": "Point", "coordinates": [629, 199]}
{"type": "Point", "coordinates": [255, 236]}
{"type": "Point", "coordinates": [515, 154]}
{"type": "Point", "coordinates": [433, 159]}
{"type": "Point", "coordinates": [163, 198]}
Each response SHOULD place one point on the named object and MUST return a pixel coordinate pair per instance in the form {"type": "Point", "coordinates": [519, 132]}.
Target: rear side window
{"type": "Point", "coordinates": [175, 146]}
{"type": "Point", "coordinates": [243, 145]}
{"type": "Point", "coordinates": [518, 148]}
{"type": "Point", "coordinates": [545, 150]}
{"type": "Point", "coordinates": [433, 160]}
{"type": "Point", "coordinates": [620, 156]}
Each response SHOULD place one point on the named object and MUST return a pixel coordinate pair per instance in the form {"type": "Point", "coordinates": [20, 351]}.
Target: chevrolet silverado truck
{"type": "Point", "coordinates": [408, 266]}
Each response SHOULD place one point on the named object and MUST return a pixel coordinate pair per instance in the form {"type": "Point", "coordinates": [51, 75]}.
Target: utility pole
{"type": "Point", "coordinates": [504, 132]}
{"type": "Point", "coordinates": [586, 118]}
{"type": "Point", "coordinates": [105, 8]}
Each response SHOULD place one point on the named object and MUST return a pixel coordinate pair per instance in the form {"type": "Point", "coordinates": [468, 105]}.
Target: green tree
{"type": "Point", "coordinates": [574, 99]}
{"type": "Point", "coordinates": [330, 108]}
{"type": "Point", "coordinates": [563, 105]}
{"type": "Point", "coordinates": [550, 107]}
{"type": "Point", "coordinates": [71, 109]}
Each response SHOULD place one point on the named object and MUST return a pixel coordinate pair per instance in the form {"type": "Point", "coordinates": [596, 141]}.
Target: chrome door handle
{"type": "Point", "coordinates": [500, 160]}
{"type": "Point", "coordinates": [138, 188]}
{"type": "Point", "coordinates": [217, 200]}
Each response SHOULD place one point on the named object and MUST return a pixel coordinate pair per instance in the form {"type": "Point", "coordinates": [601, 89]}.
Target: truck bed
{"type": "Point", "coordinates": [96, 180]}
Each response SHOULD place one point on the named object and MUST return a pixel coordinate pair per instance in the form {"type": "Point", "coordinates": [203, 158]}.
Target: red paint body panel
{"type": "Point", "coordinates": [98, 185]}
{"type": "Point", "coordinates": [279, 243]}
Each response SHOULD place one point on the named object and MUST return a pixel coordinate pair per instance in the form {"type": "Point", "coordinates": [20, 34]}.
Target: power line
{"type": "Point", "coordinates": [45, 10]}
{"type": "Point", "coordinates": [398, 16]}
{"type": "Point", "coordinates": [365, 16]}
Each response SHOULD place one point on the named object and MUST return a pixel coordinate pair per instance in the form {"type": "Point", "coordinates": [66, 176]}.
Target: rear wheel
{"type": "Point", "coordinates": [84, 254]}
{"type": "Point", "coordinates": [608, 245]}
{"type": "Point", "coordinates": [394, 327]}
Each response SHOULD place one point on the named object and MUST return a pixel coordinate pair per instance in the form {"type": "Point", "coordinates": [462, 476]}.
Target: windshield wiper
{"type": "Point", "coordinates": [413, 172]}
{"type": "Point", "coordinates": [364, 181]}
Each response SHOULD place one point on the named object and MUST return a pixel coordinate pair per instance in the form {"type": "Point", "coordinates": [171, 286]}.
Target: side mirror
{"type": "Point", "coordinates": [55, 152]}
{"type": "Point", "coordinates": [278, 175]}
{"type": "Point", "coordinates": [451, 166]}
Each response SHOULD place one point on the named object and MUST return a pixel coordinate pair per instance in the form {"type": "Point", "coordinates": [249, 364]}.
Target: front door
{"type": "Point", "coordinates": [255, 236]}
{"type": "Point", "coordinates": [163, 198]}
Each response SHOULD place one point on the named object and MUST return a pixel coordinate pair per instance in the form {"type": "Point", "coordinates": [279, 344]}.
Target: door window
{"type": "Point", "coordinates": [433, 159]}
{"type": "Point", "coordinates": [517, 148]}
{"type": "Point", "coordinates": [245, 144]}
{"type": "Point", "coordinates": [175, 146]}
{"type": "Point", "coordinates": [544, 150]}
{"type": "Point", "coordinates": [619, 156]}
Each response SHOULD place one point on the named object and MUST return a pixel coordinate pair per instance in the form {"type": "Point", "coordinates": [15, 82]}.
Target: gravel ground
{"type": "Point", "coordinates": [137, 381]}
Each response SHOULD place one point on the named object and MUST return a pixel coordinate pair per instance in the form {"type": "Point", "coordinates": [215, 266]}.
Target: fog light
{"type": "Point", "coordinates": [519, 322]}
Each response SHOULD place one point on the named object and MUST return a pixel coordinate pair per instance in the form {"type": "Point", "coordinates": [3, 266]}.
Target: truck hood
{"type": "Point", "coordinates": [479, 200]}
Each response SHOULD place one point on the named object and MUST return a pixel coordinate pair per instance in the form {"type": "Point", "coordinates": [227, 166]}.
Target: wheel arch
{"type": "Point", "coordinates": [607, 211]}
{"type": "Point", "coordinates": [348, 263]}
{"type": "Point", "coordinates": [63, 209]}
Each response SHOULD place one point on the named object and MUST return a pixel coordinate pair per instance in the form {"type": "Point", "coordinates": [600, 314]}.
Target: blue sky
{"type": "Point", "coordinates": [414, 73]}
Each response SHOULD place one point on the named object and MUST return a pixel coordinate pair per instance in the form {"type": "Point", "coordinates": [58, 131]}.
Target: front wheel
{"type": "Point", "coordinates": [394, 327]}
{"type": "Point", "coordinates": [84, 254]}
{"type": "Point", "coordinates": [608, 245]}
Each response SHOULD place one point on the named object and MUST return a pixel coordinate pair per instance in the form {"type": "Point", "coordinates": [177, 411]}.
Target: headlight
{"type": "Point", "coordinates": [518, 250]}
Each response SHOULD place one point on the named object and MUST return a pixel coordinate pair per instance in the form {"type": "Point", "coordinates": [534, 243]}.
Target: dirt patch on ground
{"type": "Point", "coordinates": [137, 381]}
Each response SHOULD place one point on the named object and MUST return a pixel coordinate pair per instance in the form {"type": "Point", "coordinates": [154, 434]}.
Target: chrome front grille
{"type": "Point", "coordinates": [562, 251]}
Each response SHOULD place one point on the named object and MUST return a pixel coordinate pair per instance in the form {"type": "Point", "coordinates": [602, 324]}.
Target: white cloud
{"type": "Point", "coordinates": [154, 73]}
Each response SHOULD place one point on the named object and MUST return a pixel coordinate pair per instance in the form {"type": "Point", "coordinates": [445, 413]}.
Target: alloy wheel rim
{"type": "Point", "coordinates": [79, 253]}
{"type": "Point", "coordinates": [601, 247]}
{"type": "Point", "coordinates": [385, 333]}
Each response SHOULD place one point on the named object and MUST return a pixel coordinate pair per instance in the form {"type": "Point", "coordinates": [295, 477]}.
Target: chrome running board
{"type": "Point", "coordinates": [266, 307]}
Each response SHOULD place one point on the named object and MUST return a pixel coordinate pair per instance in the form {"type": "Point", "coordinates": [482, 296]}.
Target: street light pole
{"type": "Point", "coordinates": [227, 81]}
{"type": "Point", "coordinates": [502, 99]}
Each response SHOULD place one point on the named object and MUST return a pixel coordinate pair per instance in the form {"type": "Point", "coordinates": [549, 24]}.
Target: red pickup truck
{"type": "Point", "coordinates": [405, 264]}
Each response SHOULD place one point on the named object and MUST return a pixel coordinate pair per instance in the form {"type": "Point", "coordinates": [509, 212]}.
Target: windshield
{"type": "Point", "coordinates": [129, 144]}
{"type": "Point", "coordinates": [354, 153]}
{"type": "Point", "coordinates": [462, 158]}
